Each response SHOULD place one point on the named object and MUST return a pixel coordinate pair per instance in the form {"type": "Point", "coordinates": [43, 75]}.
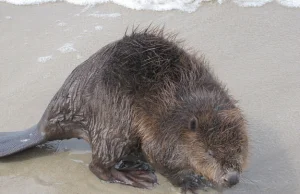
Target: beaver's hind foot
{"type": "Point", "coordinates": [134, 175]}
{"type": "Point", "coordinates": [135, 178]}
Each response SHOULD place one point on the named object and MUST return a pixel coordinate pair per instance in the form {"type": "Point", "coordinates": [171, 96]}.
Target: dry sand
{"type": "Point", "coordinates": [255, 51]}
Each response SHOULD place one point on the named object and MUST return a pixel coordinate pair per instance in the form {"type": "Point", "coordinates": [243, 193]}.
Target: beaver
{"type": "Point", "coordinates": [146, 93]}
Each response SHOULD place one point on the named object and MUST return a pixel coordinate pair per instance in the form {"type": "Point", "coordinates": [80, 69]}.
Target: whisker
{"type": "Point", "coordinates": [249, 181]}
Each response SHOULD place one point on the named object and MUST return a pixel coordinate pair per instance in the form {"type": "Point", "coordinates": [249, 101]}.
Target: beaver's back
{"type": "Point", "coordinates": [144, 63]}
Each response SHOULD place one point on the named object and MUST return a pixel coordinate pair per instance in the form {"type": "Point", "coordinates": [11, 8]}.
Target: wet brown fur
{"type": "Point", "coordinates": [141, 92]}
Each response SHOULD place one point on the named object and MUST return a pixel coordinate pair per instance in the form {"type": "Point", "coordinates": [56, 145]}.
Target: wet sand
{"type": "Point", "coordinates": [255, 51]}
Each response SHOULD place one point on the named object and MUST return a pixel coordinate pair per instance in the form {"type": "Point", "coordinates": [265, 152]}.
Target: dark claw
{"type": "Point", "coordinates": [193, 183]}
{"type": "Point", "coordinates": [133, 171]}
{"type": "Point", "coordinates": [140, 179]}
{"type": "Point", "coordinates": [133, 165]}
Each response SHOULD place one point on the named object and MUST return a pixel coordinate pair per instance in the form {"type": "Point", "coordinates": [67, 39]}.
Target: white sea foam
{"type": "Point", "coordinates": [160, 5]}
{"type": "Point", "coordinates": [78, 161]}
{"type": "Point", "coordinates": [78, 56]}
{"type": "Point", "coordinates": [105, 15]}
{"type": "Point", "coordinates": [44, 59]}
{"type": "Point", "coordinates": [87, 7]}
{"type": "Point", "coordinates": [60, 23]}
{"type": "Point", "coordinates": [251, 3]}
{"type": "Point", "coordinates": [27, 2]}
{"type": "Point", "coordinates": [290, 3]}
{"type": "Point", "coordinates": [67, 48]}
{"type": "Point", "coordinates": [98, 27]}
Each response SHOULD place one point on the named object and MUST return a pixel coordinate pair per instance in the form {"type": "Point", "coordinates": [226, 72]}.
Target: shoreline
{"type": "Point", "coordinates": [254, 51]}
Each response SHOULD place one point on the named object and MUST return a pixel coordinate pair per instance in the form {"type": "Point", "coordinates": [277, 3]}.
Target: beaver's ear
{"type": "Point", "coordinates": [193, 125]}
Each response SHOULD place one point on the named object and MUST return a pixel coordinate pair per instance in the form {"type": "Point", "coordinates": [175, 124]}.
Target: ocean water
{"type": "Point", "coordinates": [161, 5]}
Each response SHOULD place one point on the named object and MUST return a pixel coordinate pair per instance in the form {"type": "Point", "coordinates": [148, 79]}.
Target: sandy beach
{"type": "Point", "coordinates": [255, 51]}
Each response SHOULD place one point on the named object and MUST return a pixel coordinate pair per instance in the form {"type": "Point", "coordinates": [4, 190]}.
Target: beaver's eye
{"type": "Point", "coordinates": [193, 124]}
{"type": "Point", "coordinates": [211, 153]}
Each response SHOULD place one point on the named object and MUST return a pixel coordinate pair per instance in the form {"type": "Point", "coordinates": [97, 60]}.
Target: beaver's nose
{"type": "Point", "coordinates": [231, 179]}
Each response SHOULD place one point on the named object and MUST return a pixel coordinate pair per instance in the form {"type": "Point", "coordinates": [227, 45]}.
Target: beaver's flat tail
{"type": "Point", "coordinates": [13, 142]}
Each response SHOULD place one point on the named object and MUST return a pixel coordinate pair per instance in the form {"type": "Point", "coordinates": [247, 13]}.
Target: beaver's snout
{"type": "Point", "coordinates": [231, 178]}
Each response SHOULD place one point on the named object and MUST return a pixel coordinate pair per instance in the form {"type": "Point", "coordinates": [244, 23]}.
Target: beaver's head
{"type": "Point", "coordinates": [202, 132]}
{"type": "Point", "coordinates": [213, 131]}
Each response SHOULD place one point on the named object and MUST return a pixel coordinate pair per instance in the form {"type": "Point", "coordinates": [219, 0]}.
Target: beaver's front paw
{"type": "Point", "coordinates": [192, 183]}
